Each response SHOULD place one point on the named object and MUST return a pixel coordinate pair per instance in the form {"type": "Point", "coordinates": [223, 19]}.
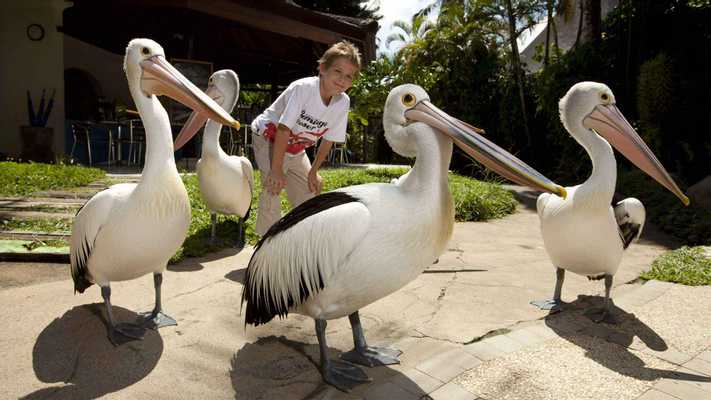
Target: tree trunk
{"type": "Point", "coordinates": [580, 24]}
{"type": "Point", "coordinates": [555, 36]}
{"type": "Point", "coordinates": [516, 67]}
{"type": "Point", "coordinates": [549, 11]}
{"type": "Point", "coordinates": [592, 31]}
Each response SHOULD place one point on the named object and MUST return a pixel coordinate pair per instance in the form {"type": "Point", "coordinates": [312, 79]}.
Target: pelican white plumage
{"type": "Point", "coordinates": [226, 181]}
{"type": "Point", "coordinates": [129, 230]}
{"type": "Point", "coordinates": [345, 249]}
{"type": "Point", "coordinates": [584, 233]}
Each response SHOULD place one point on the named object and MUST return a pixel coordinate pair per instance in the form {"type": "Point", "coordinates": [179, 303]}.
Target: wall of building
{"type": "Point", "coordinates": [30, 65]}
{"type": "Point", "coordinates": [104, 66]}
{"type": "Point", "coordinates": [567, 32]}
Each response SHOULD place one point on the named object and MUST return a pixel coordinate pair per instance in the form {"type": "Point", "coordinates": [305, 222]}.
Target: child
{"type": "Point", "coordinates": [309, 109]}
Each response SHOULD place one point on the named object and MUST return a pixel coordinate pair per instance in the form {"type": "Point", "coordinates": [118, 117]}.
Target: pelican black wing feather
{"type": "Point", "coordinates": [260, 308]}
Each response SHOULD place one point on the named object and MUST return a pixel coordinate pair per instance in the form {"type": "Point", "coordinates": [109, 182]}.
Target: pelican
{"type": "Point", "coordinates": [345, 249]}
{"type": "Point", "coordinates": [129, 230]}
{"type": "Point", "coordinates": [584, 233]}
{"type": "Point", "coordinates": [226, 181]}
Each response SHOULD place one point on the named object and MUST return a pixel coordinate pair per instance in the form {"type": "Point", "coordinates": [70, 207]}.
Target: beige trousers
{"type": "Point", "coordinates": [296, 167]}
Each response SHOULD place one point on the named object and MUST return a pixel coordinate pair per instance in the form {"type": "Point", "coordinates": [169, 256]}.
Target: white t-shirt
{"type": "Point", "coordinates": [301, 109]}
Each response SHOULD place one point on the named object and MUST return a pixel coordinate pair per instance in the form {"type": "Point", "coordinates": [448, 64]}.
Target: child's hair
{"type": "Point", "coordinates": [343, 48]}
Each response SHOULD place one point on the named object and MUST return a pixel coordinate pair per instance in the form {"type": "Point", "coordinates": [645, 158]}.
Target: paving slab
{"type": "Point", "coordinates": [55, 343]}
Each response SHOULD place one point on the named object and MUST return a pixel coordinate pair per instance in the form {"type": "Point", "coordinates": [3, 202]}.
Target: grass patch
{"type": "Point", "coordinates": [37, 225]}
{"type": "Point", "coordinates": [21, 179]}
{"type": "Point", "coordinates": [686, 265]}
{"type": "Point", "coordinates": [692, 225]}
{"type": "Point", "coordinates": [474, 201]}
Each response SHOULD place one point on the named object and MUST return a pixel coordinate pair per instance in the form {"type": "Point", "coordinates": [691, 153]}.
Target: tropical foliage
{"type": "Point", "coordinates": [465, 61]}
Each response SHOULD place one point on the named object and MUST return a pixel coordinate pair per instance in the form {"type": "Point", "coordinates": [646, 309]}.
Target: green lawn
{"type": "Point", "coordinates": [21, 179]}
{"type": "Point", "coordinates": [474, 201]}
{"type": "Point", "coordinates": [686, 265]}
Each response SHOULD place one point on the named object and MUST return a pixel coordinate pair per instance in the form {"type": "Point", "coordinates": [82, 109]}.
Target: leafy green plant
{"type": "Point", "coordinates": [686, 265]}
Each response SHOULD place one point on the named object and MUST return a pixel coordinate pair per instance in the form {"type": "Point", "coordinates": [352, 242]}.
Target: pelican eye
{"type": "Point", "coordinates": [146, 51]}
{"type": "Point", "coordinates": [211, 81]}
{"type": "Point", "coordinates": [604, 97]}
{"type": "Point", "coordinates": [408, 100]}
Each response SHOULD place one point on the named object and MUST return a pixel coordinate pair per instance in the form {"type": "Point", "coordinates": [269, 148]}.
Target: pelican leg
{"type": "Point", "coordinates": [213, 227]}
{"type": "Point", "coordinates": [555, 303]}
{"type": "Point", "coordinates": [121, 333]}
{"type": "Point", "coordinates": [367, 355]}
{"type": "Point", "coordinates": [240, 233]}
{"type": "Point", "coordinates": [342, 375]}
{"type": "Point", "coordinates": [603, 314]}
{"type": "Point", "coordinates": [156, 318]}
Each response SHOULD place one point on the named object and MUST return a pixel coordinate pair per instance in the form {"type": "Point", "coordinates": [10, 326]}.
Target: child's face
{"type": "Point", "coordinates": [339, 76]}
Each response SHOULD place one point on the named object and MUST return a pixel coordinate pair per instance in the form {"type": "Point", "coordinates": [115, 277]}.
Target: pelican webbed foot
{"type": "Point", "coordinates": [156, 320]}
{"type": "Point", "coordinates": [342, 375]}
{"type": "Point", "coordinates": [363, 354]}
{"type": "Point", "coordinates": [550, 304]}
{"type": "Point", "coordinates": [372, 356]}
{"type": "Point", "coordinates": [123, 333]}
{"type": "Point", "coordinates": [603, 314]}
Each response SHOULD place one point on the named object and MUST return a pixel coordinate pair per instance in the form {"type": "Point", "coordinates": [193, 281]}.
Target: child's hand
{"type": "Point", "coordinates": [315, 182]}
{"type": "Point", "coordinates": [276, 181]}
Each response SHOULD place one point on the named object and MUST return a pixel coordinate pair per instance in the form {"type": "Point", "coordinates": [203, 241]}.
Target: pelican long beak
{"type": "Point", "coordinates": [608, 121]}
{"type": "Point", "coordinates": [161, 78]}
{"type": "Point", "coordinates": [196, 120]}
{"type": "Point", "coordinates": [492, 156]}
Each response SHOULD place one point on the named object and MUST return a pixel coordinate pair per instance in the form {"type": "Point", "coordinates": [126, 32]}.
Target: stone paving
{"type": "Point", "coordinates": [465, 326]}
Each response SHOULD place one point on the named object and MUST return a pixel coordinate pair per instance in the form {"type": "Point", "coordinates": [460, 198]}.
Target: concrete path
{"type": "Point", "coordinates": [466, 328]}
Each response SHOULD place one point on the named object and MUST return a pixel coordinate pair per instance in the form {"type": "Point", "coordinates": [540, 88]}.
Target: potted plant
{"type": "Point", "coordinates": [37, 138]}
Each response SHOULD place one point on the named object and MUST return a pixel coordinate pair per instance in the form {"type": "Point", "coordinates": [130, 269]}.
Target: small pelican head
{"type": "Point", "coordinates": [137, 51]}
{"type": "Point", "coordinates": [580, 100]}
{"type": "Point", "coordinates": [147, 70]}
{"type": "Point", "coordinates": [395, 124]}
{"type": "Point", "coordinates": [589, 107]}
{"type": "Point", "coordinates": [409, 104]}
{"type": "Point", "coordinates": [223, 87]}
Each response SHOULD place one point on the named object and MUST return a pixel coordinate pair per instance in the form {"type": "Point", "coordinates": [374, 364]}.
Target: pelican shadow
{"type": "Point", "coordinates": [237, 275]}
{"type": "Point", "coordinates": [610, 345]}
{"type": "Point", "coordinates": [278, 368]}
{"type": "Point", "coordinates": [192, 264]}
{"type": "Point", "coordinates": [75, 350]}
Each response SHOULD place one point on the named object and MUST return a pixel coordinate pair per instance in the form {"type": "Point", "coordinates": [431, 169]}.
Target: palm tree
{"type": "Point", "coordinates": [410, 32]}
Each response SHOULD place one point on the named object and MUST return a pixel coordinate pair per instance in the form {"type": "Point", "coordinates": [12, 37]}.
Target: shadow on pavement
{"type": "Point", "coordinates": [75, 350]}
{"type": "Point", "coordinates": [278, 368]}
{"type": "Point", "coordinates": [237, 275]}
{"type": "Point", "coordinates": [609, 344]}
{"type": "Point", "coordinates": [192, 264]}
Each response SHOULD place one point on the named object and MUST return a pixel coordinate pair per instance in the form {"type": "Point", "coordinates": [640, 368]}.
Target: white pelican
{"type": "Point", "coordinates": [129, 230]}
{"type": "Point", "coordinates": [584, 233]}
{"type": "Point", "coordinates": [345, 249]}
{"type": "Point", "coordinates": [225, 181]}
